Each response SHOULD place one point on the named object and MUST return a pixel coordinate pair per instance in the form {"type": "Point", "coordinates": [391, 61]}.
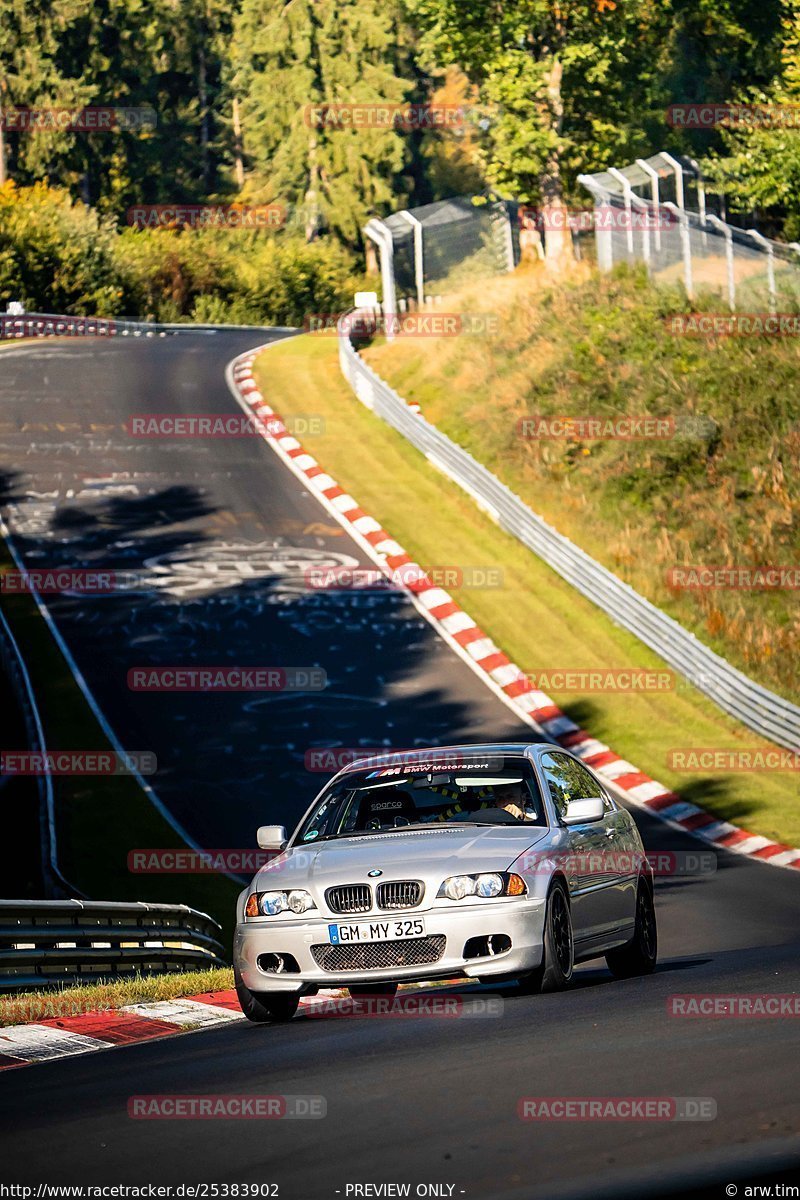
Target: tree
{"type": "Point", "coordinates": [158, 55]}
{"type": "Point", "coordinates": [566, 84]}
{"type": "Point", "coordinates": [290, 58]}
{"type": "Point", "coordinates": [760, 162]}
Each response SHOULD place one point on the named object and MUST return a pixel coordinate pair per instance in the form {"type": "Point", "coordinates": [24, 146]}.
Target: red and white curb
{"type": "Point", "coordinates": [68, 1036]}
{"type": "Point", "coordinates": [478, 650]}
{"type": "Point", "coordinates": [64, 1037]}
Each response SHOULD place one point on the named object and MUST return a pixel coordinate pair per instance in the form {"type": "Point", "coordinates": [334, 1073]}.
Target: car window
{"type": "Point", "coordinates": [568, 780]}
{"type": "Point", "coordinates": [395, 798]}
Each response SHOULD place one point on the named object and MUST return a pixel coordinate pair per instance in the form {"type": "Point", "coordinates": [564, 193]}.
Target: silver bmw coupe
{"type": "Point", "coordinates": [494, 862]}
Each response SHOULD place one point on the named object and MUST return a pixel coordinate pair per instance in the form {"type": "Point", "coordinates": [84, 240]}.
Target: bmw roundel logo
{"type": "Point", "coordinates": [374, 874]}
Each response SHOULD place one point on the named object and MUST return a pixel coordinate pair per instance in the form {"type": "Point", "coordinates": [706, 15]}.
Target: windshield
{"type": "Point", "coordinates": [393, 798]}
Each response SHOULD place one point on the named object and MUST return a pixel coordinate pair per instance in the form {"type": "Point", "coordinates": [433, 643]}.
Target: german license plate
{"type": "Point", "coordinates": [376, 931]}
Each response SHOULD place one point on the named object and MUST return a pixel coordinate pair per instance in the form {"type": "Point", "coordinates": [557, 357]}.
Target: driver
{"type": "Point", "coordinates": [511, 798]}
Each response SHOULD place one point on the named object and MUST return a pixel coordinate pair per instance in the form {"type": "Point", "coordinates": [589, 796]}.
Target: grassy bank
{"type": "Point", "coordinates": [722, 488]}
{"type": "Point", "coordinates": [534, 616]}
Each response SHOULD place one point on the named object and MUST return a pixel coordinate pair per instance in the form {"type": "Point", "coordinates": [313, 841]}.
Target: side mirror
{"type": "Point", "coordinates": [580, 811]}
{"type": "Point", "coordinates": [271, 837]}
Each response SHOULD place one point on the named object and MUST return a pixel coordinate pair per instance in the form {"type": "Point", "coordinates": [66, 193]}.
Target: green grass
{"type": "Point", "coordinates": [100, 819]}
{"type": "Point", "coordinates": [535, 617]}
{"type": "Point", "coordinates": [725, 490]}
{"type": "Point", "coordinates": [100, 997]}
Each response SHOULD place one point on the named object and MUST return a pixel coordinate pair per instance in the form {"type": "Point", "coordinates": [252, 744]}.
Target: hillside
{"type": "Point", "coordinates": [720, 489]}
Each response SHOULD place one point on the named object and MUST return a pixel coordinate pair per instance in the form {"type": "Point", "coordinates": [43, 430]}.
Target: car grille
{"type": "Point", "coordinates": [351, 898]}
{"type": "Point", "coordinates": [376, 956]}
{"type": "Point", "coordinates": [405, 893]}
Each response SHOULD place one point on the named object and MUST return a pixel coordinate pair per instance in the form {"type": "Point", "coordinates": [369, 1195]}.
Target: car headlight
{"type": "Point", "coordinates": [488, 885]}
{"type": "Point", "coordinates": [300, 902]}
{"type": "Point", "coordinates": [492, 883]}
{"type": "Point", "coordinates": [269, 904]}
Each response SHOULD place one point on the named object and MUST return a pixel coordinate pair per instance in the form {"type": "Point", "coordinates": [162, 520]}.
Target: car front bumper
{"type": "Point", "coordinates": [521, 921]}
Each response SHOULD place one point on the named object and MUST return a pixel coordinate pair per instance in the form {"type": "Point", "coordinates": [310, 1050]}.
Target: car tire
{"type": "Point", "coordinates": [558, 955]}
{"type": "Point", "coordinates": [373, 989]}
{"type": "Point", "coordinates": [266, 1006]}
{"type": "Point", "coordinates": [639, 955]}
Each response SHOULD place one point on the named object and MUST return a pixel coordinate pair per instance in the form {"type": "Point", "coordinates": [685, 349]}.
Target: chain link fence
{"type": "Point", "coordinates": [429, 251]}
{"type": "Point", "coordinates": [656, 211]}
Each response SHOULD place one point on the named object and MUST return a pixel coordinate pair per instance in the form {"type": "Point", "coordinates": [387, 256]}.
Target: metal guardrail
{"type": "Point", "coordinates": [31, 325]}
{"type": "Point", "coordinates": [755, 706]}
{"type": "Point", "coordinates": [49, 942]}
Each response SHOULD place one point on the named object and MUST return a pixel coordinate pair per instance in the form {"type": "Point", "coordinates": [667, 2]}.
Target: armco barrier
{"type": "Point", "coordinates": [756, 707]}
{"type": "Point", "coordinates": [46, 942]}
{"type": "Point", "coordinates": [35, 325]}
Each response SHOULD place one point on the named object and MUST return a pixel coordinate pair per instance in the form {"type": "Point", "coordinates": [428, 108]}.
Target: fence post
{"type": "Point", "coordinates": [508, 235]}
{"type": "Point", "coordinates": [686, 245]}
{"type": "Point", "coordinates": [678, 173]}
{"type": "Point", "coordinates": [728, 235]}
{"type": "Point", "coordinates": [652, 174]}
{"type": "Point", "coordinates": [626, 193]}
{"type": "Point", "coordinates": [766, 244]}
{"type": "Point", "coordinates": [643, 205]}
{"type": "Point", "coordinates": [602, 234]}
{"type": "Point", "coordinates": [701, 196]}
{"type": "Point", "coordinates": [382, 237]}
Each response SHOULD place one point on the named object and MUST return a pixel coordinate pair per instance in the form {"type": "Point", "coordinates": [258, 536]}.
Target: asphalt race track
{"type": "Point", "coordinates": [408, 1101]}
{"type": "Point", "coordinates": [222, 533]}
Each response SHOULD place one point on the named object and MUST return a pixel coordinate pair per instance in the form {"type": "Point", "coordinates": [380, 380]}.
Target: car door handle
{"type": "Point", "coordinates": [611, 833]}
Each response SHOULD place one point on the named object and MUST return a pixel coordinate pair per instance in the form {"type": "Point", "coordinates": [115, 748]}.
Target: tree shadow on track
{"type": "Point", "coordinates": [230, 761]}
